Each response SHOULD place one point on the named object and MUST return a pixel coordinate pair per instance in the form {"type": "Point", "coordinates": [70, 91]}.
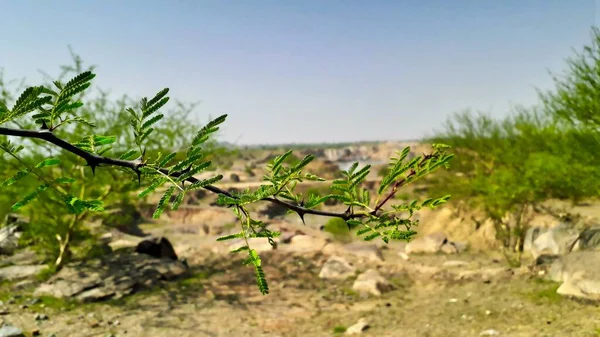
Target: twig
{"type": "Point", "coordinates": [94, 160]}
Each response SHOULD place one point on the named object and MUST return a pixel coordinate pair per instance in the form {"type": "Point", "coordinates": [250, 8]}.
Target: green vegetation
{"type": "Point", "coordinates": [505, 166]}
{"type": "Point", "coordinates": [339, 228]}
{"type": "Point", "coordinates": [70, 158]}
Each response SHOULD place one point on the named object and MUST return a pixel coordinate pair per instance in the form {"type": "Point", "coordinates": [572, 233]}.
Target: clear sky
{"type": "Point", "coordinates": [305, 70]}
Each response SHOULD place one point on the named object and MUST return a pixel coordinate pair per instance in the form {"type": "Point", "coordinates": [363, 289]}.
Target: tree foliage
{"type": "Point", "coordinates": [55, 114]}
{"type": "Point", "coordinates": [534, 154]}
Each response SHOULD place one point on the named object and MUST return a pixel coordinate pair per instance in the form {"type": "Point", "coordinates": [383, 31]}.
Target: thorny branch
{"type": "Point", "coordinates": [94, 160]}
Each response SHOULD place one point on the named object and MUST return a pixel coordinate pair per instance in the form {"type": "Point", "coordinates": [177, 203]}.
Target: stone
{"type": "Point", "coordinates": [8, 330]}
{"type": "Point", "coordinates": [371, 282]}
{"type": "Point", "coordinates": [305, 243]}
{"type": "Point", "coordinates": [449, 248]}
{"type": "Point", "coordinates": [365, 251]}
{"type": "Point", "coordinates": [337, 268]}
{"type": "Point", "coordinates": [111, 277]}
{"type": "Point", "coordinates": [9, 239]}
{"type": "Point", "coordinates": [159, 247]}
{"type": "Point", "coordinates": [579, 274]}
{"type": "Point", "coordinates": [17, 272]}
{"type": "Point", "coordinates": [431, 243]}
{"type": "Point", "coordinates": [558, 240]}
{"type": "Point", "coordinates": [489, 332]}
{"type": "Point", "coordinates": [358, 327]}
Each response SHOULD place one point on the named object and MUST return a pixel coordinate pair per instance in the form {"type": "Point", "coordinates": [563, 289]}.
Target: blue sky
{"type": "Point", "coordinates": [305, 70]}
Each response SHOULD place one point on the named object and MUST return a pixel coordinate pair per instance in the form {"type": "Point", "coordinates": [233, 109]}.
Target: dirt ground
{"type": "Point", "coordinates": [220, 298]}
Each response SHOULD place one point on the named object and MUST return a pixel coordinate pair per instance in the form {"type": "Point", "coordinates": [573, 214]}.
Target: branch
{"type": "Point", "coordinates": [94, 160]}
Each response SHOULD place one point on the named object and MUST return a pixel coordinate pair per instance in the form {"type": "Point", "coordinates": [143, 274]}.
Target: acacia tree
{"type": "Point", "coordinates": [52, 231]}
{"type": "Point", "coordinates": [54, 107]}
{"type": "Point", "coordinates": [575, 98]}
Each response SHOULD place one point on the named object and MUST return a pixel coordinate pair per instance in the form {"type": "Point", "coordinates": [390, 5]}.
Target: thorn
{"type": "Point", "coordinates": [45, 126]}
{"type": "Point", "coordinates": [301, 214]}
{"type": "Point", "coordinates": [139, 175]}
{"type": "Point", "coordinates": [348, 211]}
{"type": "Point", "coordinates": [92, 165]}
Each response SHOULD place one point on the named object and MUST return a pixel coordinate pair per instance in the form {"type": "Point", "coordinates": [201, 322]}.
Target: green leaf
{"type": "Point", "coordinates": [18, 176]}
{"type": "Point", "coordinates": [128, 155]}
{"type": "Point", "coordinates": [64, 180]}
{"type": "Point", "coordinates": [162, 202]}
{"type": "Point", "coordinates": [48, 162]}
{"type": "Point", "coordinates": [30, 197]}
{"type": "Point", "coordinates": [104, 140]}
{"type": "Point", "coordinates": [152, 187]}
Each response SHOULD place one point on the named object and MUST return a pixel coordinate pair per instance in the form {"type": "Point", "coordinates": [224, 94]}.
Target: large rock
{"type": "Point", "coordinates": [371, 283]}
{"type": "Point", "coordinates": [305, 244]}
{"type": "Point", "coordinates": [337, 268]}
{"type": "Point", "coordinates": [112, 277]}
{"type": "Point", "coordinates": [558, 240]}
{"type": "Point", "coordinates": [8, 330]}
{"type": "Point", "coordinates": [160, 248]}
{"type": "Point", "coordinates": [17, 272]}
{"type": "Point", "coordinates": [9, 239]}
{"type": "Point", "coordinates": [589, 239]}
{"type": "Point", "coordinates": [579, 274]}
{"type": "Point", "coordinates": [368, 252]}
{"type": "Point", "coordinates": [431, 243]}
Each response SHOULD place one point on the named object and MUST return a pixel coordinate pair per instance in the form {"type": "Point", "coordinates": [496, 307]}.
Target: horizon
{"type": "Point", "coordinates": [309, 72]}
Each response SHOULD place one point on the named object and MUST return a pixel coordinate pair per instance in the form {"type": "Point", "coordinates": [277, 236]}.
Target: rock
{"type": "Point", "coordinates": [579, 274]}
{"type": "Point", "coordinates": [371, 282]}
{"type": "Point", "coordinates": [431, 243]}
{"type": "Point", "coordinates": [258, 244]}
{"type": "Point", "coordinates": [111, 277]}
{"type": "Point", "coordinates": [16, 272]}
{"type": "Point", "coordinates": [489, 332]}
{"type": "Point", "coordinates": [365, 251]}
{"type": "Point", "coordinates": [589, 239]}
{"type": "Point", "coordinates": [9, 239]}
{"type": "Point", "coordinates": [358, 327]}
{"type": "Point", "coordinates": [272, 210]}
{"type": "Point", "coordinates": [449, 248]}
{"type": "Point", "coordinates": [337, 268]}
{"type": "Point", "coordinates": [234, 178]}
{"type": "Point", "coordinates": [305, 243]}
{"type": "Point", "coordinates": [8, 330]}
{"type": "Point", "coordinates": [159, 247]}
{"type": "Point", "coordinates": [24, 257]}
{"type": "Point", "coordinates": [40, 317]}
{"type": "Point", "coordinates": [550, 241]}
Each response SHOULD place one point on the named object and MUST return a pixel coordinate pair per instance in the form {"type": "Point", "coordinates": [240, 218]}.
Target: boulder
{"type": "Point", "coordinates": [558, 240]}
{"type": "Point", "coordinates": [371, 283]}
{"type": "Point", "coordinates": [337, 268]}
{"type": "Point", "coordinates": [368, 252]}
{"type": "Point", "coordinates": [17, 272]}
{"type": "Point", "coordinates": [305, 243]}
{"type": "Point", "coordinates": [112, 277]}
{"type": "Point", "coordinates": [159, 247]}
{"type": "Point", "coordinates": [431, 243]}
{"type": "Point", "coordinates": [579, 274]}
{"type": "Point", "coordinates": [9, 239]}
{"type": "Point", "coordinates": [7, 330]}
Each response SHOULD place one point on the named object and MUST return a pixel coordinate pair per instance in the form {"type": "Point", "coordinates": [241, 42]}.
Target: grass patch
{"type": "Point", "coordinates": [339, 329]}
{"type": "Point", "coordinates": [544, 292]}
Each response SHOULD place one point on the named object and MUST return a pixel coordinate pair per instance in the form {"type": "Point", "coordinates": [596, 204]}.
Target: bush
{"type": "Point", "coordinates": [339, 228]}
{"type": "Point", "coordinates": [535, 154]}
